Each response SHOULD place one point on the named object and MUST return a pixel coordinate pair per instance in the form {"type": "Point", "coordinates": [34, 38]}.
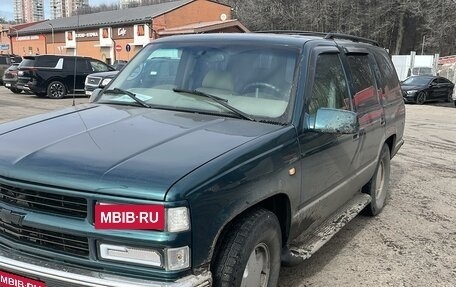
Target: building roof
{"type": "Point", "coordinates": [106, 18]}
{"type": "Point", "coordinates": [203, 27]}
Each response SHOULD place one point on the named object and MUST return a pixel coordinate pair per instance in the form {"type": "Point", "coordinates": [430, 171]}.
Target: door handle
{"type": "Point", "coordinates": [359, 134]}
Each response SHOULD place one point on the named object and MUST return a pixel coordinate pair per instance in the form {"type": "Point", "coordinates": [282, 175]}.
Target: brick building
{"type": "Point", "coordinates": [106, 35]}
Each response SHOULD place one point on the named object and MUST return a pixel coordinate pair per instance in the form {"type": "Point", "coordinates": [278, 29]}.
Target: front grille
{"type": "Point", "coordinates": [93, 81]}
{"type": "Point", "coordinates": [44, 201]}
{"type": "Point", "coordinates": [9, 76]}
{"type": "Point", "coordinates": [54, 241]}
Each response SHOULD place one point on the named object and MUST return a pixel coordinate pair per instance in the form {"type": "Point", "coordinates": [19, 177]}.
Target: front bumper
{"type": "Point", "coordinates": [409, 98]}
{"type": "Point", "coordinates": [57, 275]}
{"type": "Point", "coordinates": [10, 83]}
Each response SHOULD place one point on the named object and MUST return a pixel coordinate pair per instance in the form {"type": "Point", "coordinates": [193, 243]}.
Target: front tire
{"type": "Point", "coordinates": [16, 91]}
{"type": "Point", "coordinates": [249, 254]}
{"type": "Point", "coordinates": [377, 187]}
{"type": "Point", "coordinates": [421, 98]}
{"type": "Point", "coordinates": [56, 90]}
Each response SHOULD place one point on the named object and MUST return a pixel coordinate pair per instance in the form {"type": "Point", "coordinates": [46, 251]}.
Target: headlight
{"type": "Point", "coordinates": [130, 254]}
{"type": "Point", "coordinates": [174, 258]}
{"type": "Point", "coordinates": [105, 82]}
{"type": "Point", "coordinates": [411, 92]}
{"type": "Point", "coordinates": [177, 219]}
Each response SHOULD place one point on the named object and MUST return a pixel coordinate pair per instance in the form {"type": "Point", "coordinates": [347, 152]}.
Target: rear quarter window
{"type": "Point", "coordinates": [47, 62]}
{"type": "Point", "coordinates": [27, 63]}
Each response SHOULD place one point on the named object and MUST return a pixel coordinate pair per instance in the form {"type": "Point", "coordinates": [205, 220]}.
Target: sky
{"type": "Point", "coordinates": [7, 11]}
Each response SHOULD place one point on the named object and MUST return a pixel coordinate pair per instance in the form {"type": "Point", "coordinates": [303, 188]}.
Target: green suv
{"type": "Point", "coordinates": [247, 153]}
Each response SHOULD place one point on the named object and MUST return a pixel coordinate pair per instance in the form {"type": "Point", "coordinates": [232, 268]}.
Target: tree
{"type": "Point", "coordinates": [398, 25]}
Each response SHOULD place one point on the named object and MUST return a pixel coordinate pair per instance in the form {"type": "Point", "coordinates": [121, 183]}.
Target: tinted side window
{"type": "Point", "coordinates": [329, 89]}
{"type": "Point", "coordinates": [3, 61]}
{"type": "Point", "coordinates": [47, 62]}
{"type": "Point", "coordinates": [27, 63]}
{"type": "Point", "coordinates": [17, 59]}
{"type": "Point", "coordinates": [99, 66]}
{"type": "Point", "coordinates": [82, 65]}
{"type": "Point", "coordinates": [365, 92]}
{"type": "Point", "coordinates": [443, 81]}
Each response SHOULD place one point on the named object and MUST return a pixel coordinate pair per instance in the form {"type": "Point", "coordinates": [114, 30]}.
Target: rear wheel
{"type": "Point", "coordinates": [450, 97]}
{"type": "Point", "coordinates": [249, 254]}
{"type": "Point", "coordinates": [421, 98]}
{"type": "Point", "coordinates": [56, 90]}
{"type": "Point", "coordinates": [377, 187]}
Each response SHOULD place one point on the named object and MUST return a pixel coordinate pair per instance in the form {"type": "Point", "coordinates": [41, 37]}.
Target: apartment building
{"type": "Point", "coordinates": [133, 3]}
{"type": "Point", "coordinates": [65, 8]}
{"type": "Point", "coordinates": [27, 11]}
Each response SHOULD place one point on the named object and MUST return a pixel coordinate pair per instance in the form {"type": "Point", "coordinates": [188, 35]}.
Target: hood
{"type": "Point", "coordinates": [110, 74]}
{"type": "Point", "coordinates": [118, 150]}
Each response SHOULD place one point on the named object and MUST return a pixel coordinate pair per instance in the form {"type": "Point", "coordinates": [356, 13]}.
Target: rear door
{"type": "Point", "coordinates": [75, 75]}
{"type": "Point", "coordinates": [447, 88]}
{"type": "Point", "coordinates": [367, 105]}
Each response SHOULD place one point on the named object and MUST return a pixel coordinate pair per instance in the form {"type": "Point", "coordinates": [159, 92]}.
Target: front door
{"type": "Point", "coordinates": [327, 160]}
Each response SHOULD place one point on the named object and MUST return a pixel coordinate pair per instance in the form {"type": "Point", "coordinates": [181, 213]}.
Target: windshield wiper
{"type": "Point", "coordinates": [118, 91]}
{"type": "Point", "coordinates": [223, 102]}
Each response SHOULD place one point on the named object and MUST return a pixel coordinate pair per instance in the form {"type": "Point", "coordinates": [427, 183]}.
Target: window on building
{"type": "Point", "coordinates": [105, 33]}
{"type": "Point", "coordinates": [140, 30]}
{"type": "Point", "coordinates": [69, 36]}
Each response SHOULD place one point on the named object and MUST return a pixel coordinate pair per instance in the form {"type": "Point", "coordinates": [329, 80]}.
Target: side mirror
{"type": "Point", "coordinates": [94, 96]}
{"type": "Point", "coordinates": [333, 121]}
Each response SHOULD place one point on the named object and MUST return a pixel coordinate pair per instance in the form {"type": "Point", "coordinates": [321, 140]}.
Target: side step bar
{"type": "Point", "coordinates": [303, 247]}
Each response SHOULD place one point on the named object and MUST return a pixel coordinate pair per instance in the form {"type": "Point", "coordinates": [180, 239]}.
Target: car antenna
{"type": "Point", "coordinates": [76, 50]}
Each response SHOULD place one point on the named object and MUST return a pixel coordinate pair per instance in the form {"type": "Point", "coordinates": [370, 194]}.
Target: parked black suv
{"type": "Point", "coordinates": [54, 75]}
{"type": "Point", "coordinates": [253, 152]}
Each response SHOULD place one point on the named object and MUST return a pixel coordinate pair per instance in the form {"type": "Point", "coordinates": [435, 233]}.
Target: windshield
{"type": "Point", "coordinates": [255, 80]}
{"type": "Point", "coordinates": [417, 81]}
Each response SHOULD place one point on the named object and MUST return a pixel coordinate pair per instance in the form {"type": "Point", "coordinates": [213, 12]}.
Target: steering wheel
{"type": "Point", "coordinates": [271, 87]}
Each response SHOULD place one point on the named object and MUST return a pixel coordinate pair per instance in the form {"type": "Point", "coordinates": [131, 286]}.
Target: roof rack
{"type": "Point", "coordinates": [350, 37]}
{"type": "Point", "coordinates": [331, 36]}
{"type": "Point", "coordinates": [293, 32]}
